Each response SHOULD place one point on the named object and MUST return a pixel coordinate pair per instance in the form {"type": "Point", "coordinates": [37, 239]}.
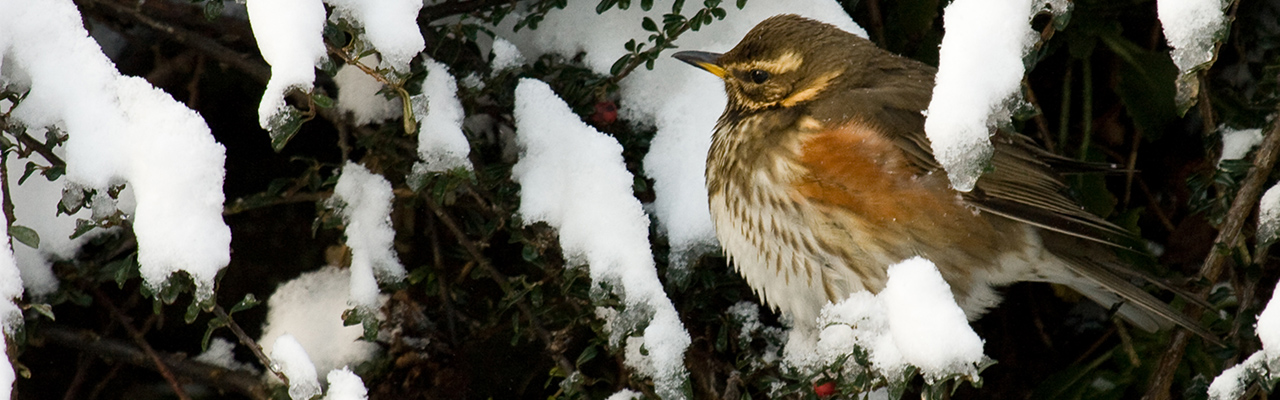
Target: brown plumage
{"type": "Point", "coordinates": [820, 177]}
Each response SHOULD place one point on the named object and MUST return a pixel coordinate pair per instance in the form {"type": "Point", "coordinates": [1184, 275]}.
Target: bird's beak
{"type": "Point", "coordinates": [702, 59]}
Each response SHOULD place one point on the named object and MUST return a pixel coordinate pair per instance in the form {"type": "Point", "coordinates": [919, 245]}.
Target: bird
{"type": "Point", "coordinates": [819, 177]}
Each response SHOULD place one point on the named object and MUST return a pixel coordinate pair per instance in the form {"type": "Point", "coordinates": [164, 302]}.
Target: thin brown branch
{"type": "Point", "coordinates": [7, 201]}
{"type": "Point", "coordinates": [238, 206]}
{"type": "Point", "coordinates": [451, 8]}
{"type": "Point", "coordinates": [249, 343]}
{"type": "Point", "coordinates": [241, 382]}
{"type": "Point", "coordinates": [1042, 124]}
{"type": "Point", "coordinates": [42, 148]}
{"type": "Point", "coordinates": [245, 63]}
{"type": "Point", "coordinates": [410, 124]}
{"type": "Point", "coordinates": [504, 283]}
{"type": "Point", "coordinates": [141, 341]}
{"type": "Point", "coordinates": [1228, 236]}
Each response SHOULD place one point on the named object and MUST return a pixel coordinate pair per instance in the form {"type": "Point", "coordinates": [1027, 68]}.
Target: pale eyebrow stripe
{"type": "Point", "coordinates": [785, 63]}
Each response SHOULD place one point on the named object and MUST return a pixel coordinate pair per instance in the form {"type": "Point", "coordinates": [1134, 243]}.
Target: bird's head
{"type": "Point", "coordinates": [785, 61]}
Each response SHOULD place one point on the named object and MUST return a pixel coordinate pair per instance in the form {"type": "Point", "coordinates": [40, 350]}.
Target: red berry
{"type": "Point", "coordinates": [825, 390]}
{"type": "Point", "coordinates": [605, 113]}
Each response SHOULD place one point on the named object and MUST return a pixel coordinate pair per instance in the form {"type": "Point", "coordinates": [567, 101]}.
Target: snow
{"type": "Point", "coordinates": [1236, 143]}
{"type": "Point", "coordinates": [1268, 328]}
{"type": "Point", "coordinates": [10, 287]}
{"type": "Point", "coordinates": [290, 37]}
{"type": "Point", "coordinates": [1233, 382]}
{"type": "Point", "coordinates": [221, 353]}
{"type": "Point", "coordinates": [1269, 214]}
{"type": "Point", "coordinates": [358, 94]}
{"type": "Point", "coordinates": [505, 55]}
{"type": "Point", "coordinates": [574, 178]}
{"type": "Point", "coordinates": [391, 26]}
{"type": "Point", "coordinates": [10, 314]}
{"type": "Point", "coordinates": [6, 376]}
{"type": "Point", "coordinates": [978, 84]}
{"type": "Point", "coordinates": [363, 199]}
{"type": "Point", "coordinates": [345, 385]}
{"type": "Point", "coordinates": [626, 394]}
{"type": "Point", "coordinates": [121, 130]}
{"type": "Point", "coordinates": [859, 321]}
{"type": "Point", "coordinates": [441, 144]}
{"type": "Point", "coordinates": [913, 321]}
{"type": "Point", "coordinates": [288, 357]}
{"type": "Point", "coordinates": [310, 309]}
{"type": "Point", "coordinates": [35, 204]}
{"type": "Point", "coordinates": [1190, 27]}
{"type": "Point", "coordinates": [747, 314]}
{"type": "Point", "coordinates": [176, 171]}
{"type": "Point", "coordinates": [930, 330]}
{"type": "Point", "coordinates": [681, 102]}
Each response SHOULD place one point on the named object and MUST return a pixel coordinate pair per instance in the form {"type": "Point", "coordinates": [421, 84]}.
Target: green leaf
{"type": "Point", "coordinates": [123, 269]}
{"type": "Point", "coordinates": [624, 4]}
{"type": "Point", "coordinates": [1145, 85]}
{"type": "Point", "coordinates": [649, 25]}
{"type": "Point", "coordinates": [244, 304]}
{"type": "Point", "coordinates": [283, 126]}
{"type": "Point", "coordinates": [214, 324]}
{"type": "Point", "coordinates": [719, 13]}
{"type": "Point", "coordinates": [322, 100]}
{"type": "Point", "coordinates": [370, 329]}
{"type": "Point", "coordinates": [44, 309]}
{"type": "Point", "coordinates": [646, 5]}
{"type": "Point", "coordinates": [212, 9]}
{"type": "Point", "coordinates": [83, 226]}
{"type": "Point", "coordinates": [193, 311]}
{"type": "Point", "coordinates": [31, 169]}
{"type": "Point", "coordinates": [54, 172]}
{"type": "Point", "coordinates": [25, 235]}
{"type": "Point", "coordinates": [587, 354]}
{"type": "Point", "coordinates": [418, 275]}
{"type": "Point", "coordinates": [350, 317]}
{"type": "Point", "coordinates": [620, 64]}
{"type": "Point", "coordinates": [677, 6]}
{"type": "Point", "coordinates": [742, 3]}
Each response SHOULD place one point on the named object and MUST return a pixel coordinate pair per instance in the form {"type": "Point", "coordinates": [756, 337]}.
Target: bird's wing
{"type": "Point", "coordinates": [1020, 185]}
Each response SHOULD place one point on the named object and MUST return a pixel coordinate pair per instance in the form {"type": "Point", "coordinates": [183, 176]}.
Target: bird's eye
{"type": "Point", "coordinates": [759, 76]}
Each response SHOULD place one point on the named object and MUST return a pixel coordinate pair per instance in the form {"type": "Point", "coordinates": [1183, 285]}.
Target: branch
{"type": "Point", "coordinates": [159, 365]}
{"type": "Point", "coordinates": [1228, 236]}
{"type": "Point", "coordinates": [503, 282]}
{"type": "Point", "coordinates": [241, 382]}
{"type": "Point", "coordinates": [42, 148]}
{"type": "Point", "coordinates": [451, 8]}
{"type": "Point", "coordinates": [245, 63]}
{"type": "Point", "coordinates": [249, 342]}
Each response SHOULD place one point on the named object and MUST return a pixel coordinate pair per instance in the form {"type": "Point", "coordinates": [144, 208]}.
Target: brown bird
{"type": "Point", "coordinates": [820, 177]}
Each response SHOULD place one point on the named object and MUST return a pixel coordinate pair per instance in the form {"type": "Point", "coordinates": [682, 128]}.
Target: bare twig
{"type": "Point", "coordinates": [451, 8]}
{"type": "Point", "coordinates": [245, 63]}
{"type": "Point", "coordinates": [237, 381]}
{"type": "Point", "coordinates": [1042, 124]}
{"type": "Point", "coordinates": [249, 342]}
{"type": "Point", "coordinates": [42, 148]}
{"type": "Point", "coordinates": [7, 202]}
{"type": "Point", "coordinates": [141, 341]}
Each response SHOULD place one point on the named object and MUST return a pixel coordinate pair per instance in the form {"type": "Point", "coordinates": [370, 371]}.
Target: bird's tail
{"type": "Point", "coordinates": [1094, 277]}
